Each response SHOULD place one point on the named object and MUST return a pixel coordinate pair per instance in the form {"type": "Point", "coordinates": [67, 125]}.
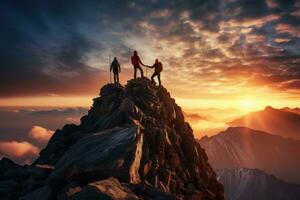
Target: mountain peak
{"type": "Point", "coordinates": [283, 122]}
{"type": "Point", "coordinates": [137, 134]}
{"type": "Point", "coordinates": [269, 108]}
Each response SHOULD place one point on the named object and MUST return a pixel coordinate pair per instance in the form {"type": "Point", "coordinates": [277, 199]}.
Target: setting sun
{"type": "Point", "coordinates": [248, 104]}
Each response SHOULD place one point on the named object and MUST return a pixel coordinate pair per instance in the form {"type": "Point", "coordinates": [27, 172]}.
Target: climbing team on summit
{"type": "Point", "coordinates": [136, 62]}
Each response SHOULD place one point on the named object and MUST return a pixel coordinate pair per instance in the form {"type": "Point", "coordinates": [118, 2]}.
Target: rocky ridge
{"type": "Point", "coordinates": [133, 144]}
{"type": "Point", "coordinates": [249, 184]}
{"type": "Point", "coordinates": [247, 148]}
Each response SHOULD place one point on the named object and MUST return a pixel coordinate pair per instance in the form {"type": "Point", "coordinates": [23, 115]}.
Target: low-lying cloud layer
{"type": "Point", "coordinates": [26, 151]}
{"type": "Point", "coordinates": [40, 134]}
{"type": "Point", "coordinates": [217, 48]}
{"type": "Point", "coordinates": [22, 152]}
{"type": "Point", "coordinates": [24, 132]}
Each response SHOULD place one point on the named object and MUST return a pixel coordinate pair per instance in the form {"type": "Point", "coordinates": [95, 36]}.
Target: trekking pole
{"type": "Point", "coordinates": [109, 68]}
{"type": "Point", "coordinates": [110, 76]}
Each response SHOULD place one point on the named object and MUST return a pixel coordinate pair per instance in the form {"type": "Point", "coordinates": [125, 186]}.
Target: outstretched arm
{"type": "Point", "coordinates": [151, 66]}
{"type": "Point", "coordinates": [141, 62]}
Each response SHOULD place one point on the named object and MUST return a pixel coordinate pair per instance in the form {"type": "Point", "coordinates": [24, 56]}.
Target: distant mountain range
{"type": "Point", "coordinates": [293, 110]}
{"type": "Point", "coordinates": [250, 184]}
{"type": "Point", "coordinates": [284, 122]}
{"type": "Point", "coordinates": [245, 147]}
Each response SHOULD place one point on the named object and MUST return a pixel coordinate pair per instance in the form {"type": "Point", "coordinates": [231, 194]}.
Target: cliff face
{"type": "Point", "coordinates": [249, 184]}
{"type": "Point", "coordinates": [136, 134]}
{"type": "Point", "coordinates": [247, 148]}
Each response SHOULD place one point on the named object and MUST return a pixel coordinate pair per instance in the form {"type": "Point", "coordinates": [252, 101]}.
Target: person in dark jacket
{"type": "Point", "coordinates": [136, 61]}
{"type": "Point", "coordinates": [157, 70]}
{"type": "Point", "coordinates": [116, 68]}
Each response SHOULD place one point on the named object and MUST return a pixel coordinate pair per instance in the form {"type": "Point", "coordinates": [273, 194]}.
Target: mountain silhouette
{"type": "Point", "coordinates": [133, 144]}
{"type": "Point", "coordinates": [283, 122]}
{"type": "Point", "coordinates": [292, 110]}
{"type": "Point", "coordinates": [249, 184]}
{"type": "Point", "coordinates": [248, 148]}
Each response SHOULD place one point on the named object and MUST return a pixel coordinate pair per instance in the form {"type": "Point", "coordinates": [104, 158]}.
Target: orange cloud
{"type": "Point", "coordinates": [14, 149]}
{"type": "Point", "coordinates": [282, 40]}
{"type": "Point", "coordinates": [272, 4]}
{"type": "Point", "coordinates": [40, 134]}
{"type": "Point", "coordinates": [251, 22]}
{"type": "Point", "coordinates": [255, 38]}
{"type": "Point", "coordinates": [287, 28]}
{"type": "Point", "coordinates": [296, 13]}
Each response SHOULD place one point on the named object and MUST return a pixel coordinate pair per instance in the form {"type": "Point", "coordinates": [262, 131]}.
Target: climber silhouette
{"type": "Point", "coordinates": [116, 68]}
{"type": "Point", "coordinates": [157, 70]}
{"type": "Point", "coordinates": [136, 61]}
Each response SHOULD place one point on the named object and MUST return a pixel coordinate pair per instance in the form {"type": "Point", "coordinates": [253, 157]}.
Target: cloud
{"type": "Point", "coordinates": [194, 117]}
{"type": "Point", "coordinates": [206, 46]}
{"type": "Point", "coordinates": [282, 40]}
{"type": "Point", "coordinates": [272, 4]}
{"type": "Point", "coordinates": [21, 125]}
{"type": "Point", "coordinates": [287, 28]}
{"type": "Point", "coordinates": [40, 134]}
{"type": "Point", "coordinates": [19, 151]}
{"type": "Point", "coordinates": [57, 111]}
{"type": "Point", "coordinates": [15, 124]}
{"type": "Point", "coordinates": [247, 22]}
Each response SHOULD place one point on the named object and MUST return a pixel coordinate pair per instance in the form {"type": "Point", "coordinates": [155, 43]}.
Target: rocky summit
{"type": "Point", "coordinates": [133, 144]}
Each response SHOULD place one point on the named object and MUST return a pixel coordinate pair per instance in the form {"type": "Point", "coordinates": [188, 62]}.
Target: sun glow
{"type": "Point", "coordinates": [248, 104]}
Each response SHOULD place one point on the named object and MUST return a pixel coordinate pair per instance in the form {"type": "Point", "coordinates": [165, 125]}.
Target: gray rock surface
{"type": "Point", "coordinates": [137, 134]}
{"type": "Point", "coordinates": [115, 152]}
{"type": "Point", "coordinates": [105, 189]}
{"type": "Point", "coordinates": [43, 193]}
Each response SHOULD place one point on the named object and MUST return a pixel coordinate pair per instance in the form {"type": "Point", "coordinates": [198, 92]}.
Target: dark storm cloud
{"type": "Point", "coordinates": [42, 51]}
{"type": "Point", "coordinates": [247, 9]}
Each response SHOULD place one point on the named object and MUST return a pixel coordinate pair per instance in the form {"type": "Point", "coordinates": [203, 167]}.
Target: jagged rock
{"type": "Point", "coordinates": [43, 193]}
{"type": "Point", "coordinates": [8, 186]}
{"type": "Point", "coordinates": [69, 190]}
{"type": "Point", "coordinates": [11, 171]}
{"type": "Point", "coordinates": [58, 144]}
{"type": "Point", "coordinates": [110, 189]}
{"type": "Point", "coordinates": [149, 192]}
{"type": "Point", "coordinates": [136, 134]}
{"type": "Point", "coordinates": [115, 152]}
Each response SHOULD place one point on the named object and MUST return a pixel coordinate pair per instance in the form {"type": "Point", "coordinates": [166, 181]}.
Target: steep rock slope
{"type": "Point", "coordinates": [283, 122]}
{"type": "Point", "coordinates": [249, 184]}
{"type": "Point", "coordinates": [244, 147]}
{"type": "Point", "coordinates": [136, 134]}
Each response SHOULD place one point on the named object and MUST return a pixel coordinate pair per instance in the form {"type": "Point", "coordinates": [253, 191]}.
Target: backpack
{"type": "Point", "coordinates": [159, 67]}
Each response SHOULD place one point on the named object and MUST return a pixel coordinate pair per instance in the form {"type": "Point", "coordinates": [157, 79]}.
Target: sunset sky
{"type": "Point", "coordinates": [223, 53]}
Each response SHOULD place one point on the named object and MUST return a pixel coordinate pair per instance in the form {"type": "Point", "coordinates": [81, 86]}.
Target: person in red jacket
{"type": "Point", "coordinates": [157, 70]}
{"type": "Point", "coordinates": [136, 61]}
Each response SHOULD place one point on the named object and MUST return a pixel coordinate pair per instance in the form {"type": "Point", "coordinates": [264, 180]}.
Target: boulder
{"type": "Point", "coordinates": [110, 189]}
{"type": "Point", "coordinates": [115, 152]}
{"type": "Point", "coordinates": [8, 186]}
{"type": "Point", "coordinates": [42, 193]}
